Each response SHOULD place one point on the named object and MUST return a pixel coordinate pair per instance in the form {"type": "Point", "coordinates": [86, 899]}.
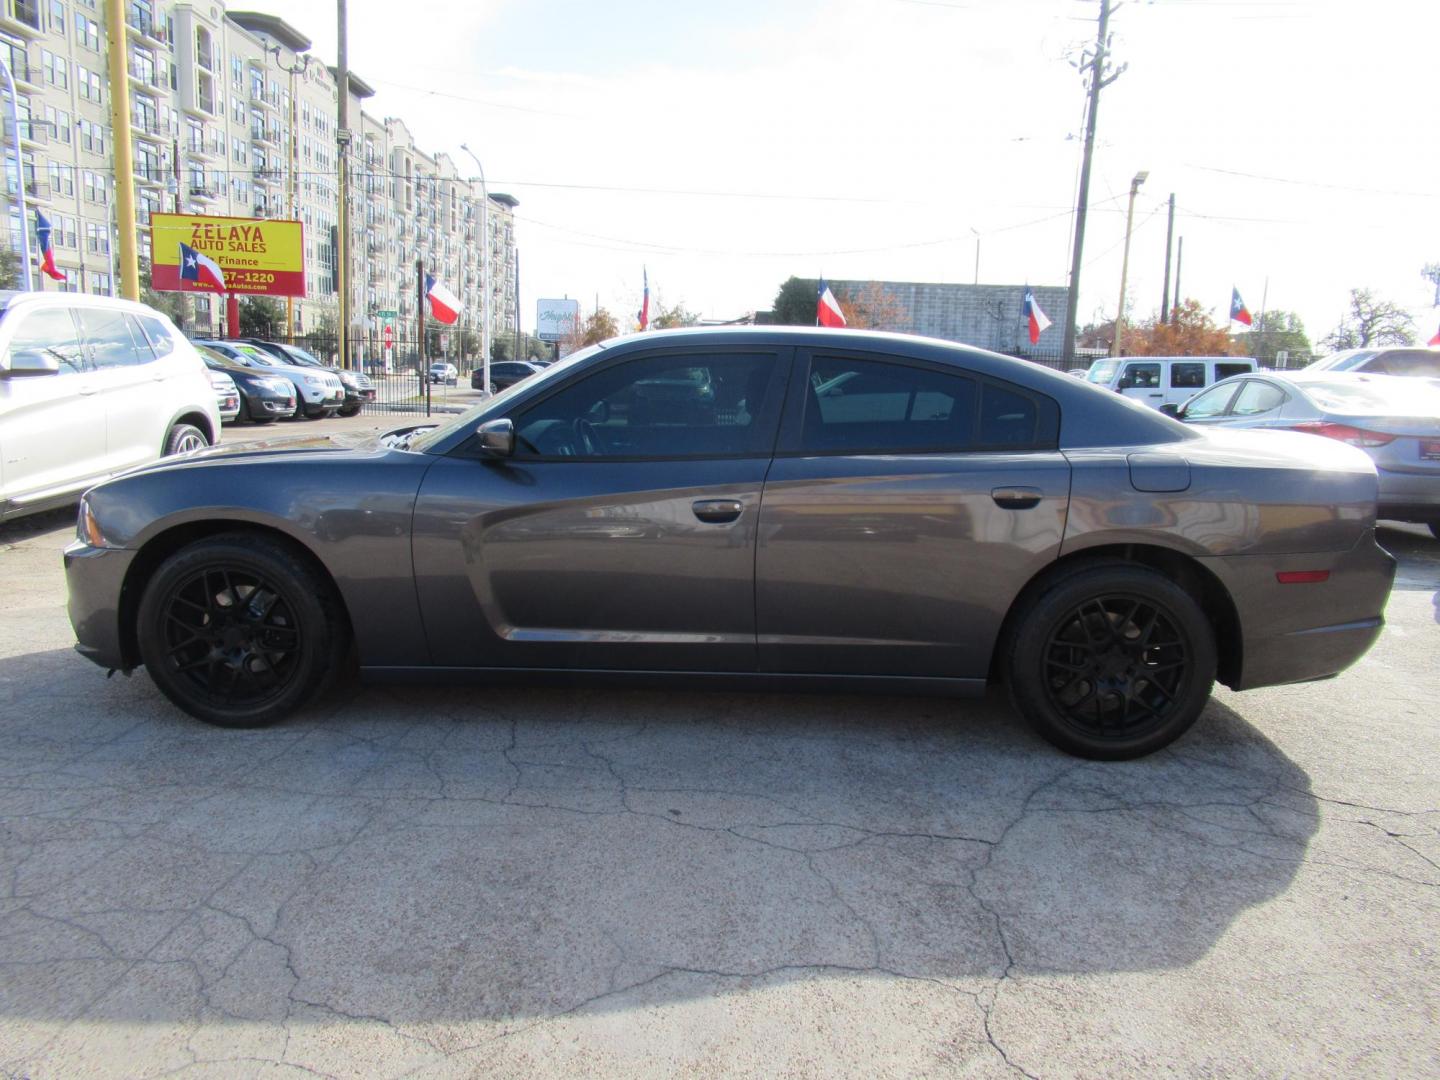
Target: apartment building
{"type": "Point", "coordinates": [231, 114]}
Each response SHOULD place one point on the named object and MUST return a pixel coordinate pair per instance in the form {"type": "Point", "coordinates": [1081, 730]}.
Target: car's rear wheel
{"type": "Point", "coordinates": [183, 438]}
{"type": "Point", "coordinates": [238, 631]}
{"type": "Point", "coordinates": [352, 410]}
{"type": "Point", "coordinates": [1111, 661]}
{"type": "Point", "coordinates": [1435, 529]}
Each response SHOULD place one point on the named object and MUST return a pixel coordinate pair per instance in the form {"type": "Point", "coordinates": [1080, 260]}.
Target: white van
{"type": "Point", "coordinates": [1165, 380]}
{"type": "Point", "coordinates": [90, 387]}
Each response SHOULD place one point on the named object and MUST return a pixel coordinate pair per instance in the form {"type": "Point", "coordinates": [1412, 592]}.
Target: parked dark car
{"type": "Point", "coordinates": [933, 518]}
{"type": "Point", "coordinates": [504, 374]}
{"type": "Point", "coordinates": [1395, 419]}
{"type": "Point", "coordinates": [319, 394]}
{"type": "Point", "coordinates": [359, 387]}
{"type": "Point", "coordinates": [263, 398]}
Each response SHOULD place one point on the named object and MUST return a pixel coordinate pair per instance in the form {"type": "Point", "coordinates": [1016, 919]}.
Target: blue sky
{"type": "Point", "coordinates": [729, 145]}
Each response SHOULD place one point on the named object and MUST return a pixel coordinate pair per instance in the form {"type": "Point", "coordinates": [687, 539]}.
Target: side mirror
{"type": "Point", "coordinates": [30, 362]}
{"type": "Point", "coordinates": [497, 437]}
{"type": "Point", "coordinates": [1170, 409]}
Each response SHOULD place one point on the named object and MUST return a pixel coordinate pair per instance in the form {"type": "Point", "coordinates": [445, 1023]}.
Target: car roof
{"type": "Point", "coordinates": [18, 298]}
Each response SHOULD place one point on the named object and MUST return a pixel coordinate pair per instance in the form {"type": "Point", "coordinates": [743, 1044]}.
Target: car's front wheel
{"type": "Point", "coordinates": [183, 438]}
{"type": "Point", "coordinates": [1111, 661]}
{"type": "Point", "coordinates": [238, 631]}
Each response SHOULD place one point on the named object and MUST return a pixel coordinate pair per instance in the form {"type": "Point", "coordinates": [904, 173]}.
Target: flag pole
{"type": "Point", "coordinates": [1260, 327]}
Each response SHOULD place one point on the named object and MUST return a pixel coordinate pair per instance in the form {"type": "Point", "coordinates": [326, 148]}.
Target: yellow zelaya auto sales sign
{"type": "Point", "coordinates": [258, 256]}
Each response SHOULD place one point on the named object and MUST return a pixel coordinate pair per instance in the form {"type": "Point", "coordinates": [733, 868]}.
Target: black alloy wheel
{"type": "Point", "coordinates": [238, 631]}
{"type": "Point", "coordinates": [1113, 661]}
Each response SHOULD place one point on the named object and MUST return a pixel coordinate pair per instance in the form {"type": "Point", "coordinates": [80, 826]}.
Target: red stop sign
{"type": "Point", "coordinates": [389, 335]}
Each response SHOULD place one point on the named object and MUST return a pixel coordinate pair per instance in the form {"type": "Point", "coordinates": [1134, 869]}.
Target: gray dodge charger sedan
{"type": "Point", "coordinates": [753, 508]}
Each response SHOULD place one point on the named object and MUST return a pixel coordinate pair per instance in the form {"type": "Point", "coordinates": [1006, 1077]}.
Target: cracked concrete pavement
{"type": "Point", "coordinates": [459, 882]}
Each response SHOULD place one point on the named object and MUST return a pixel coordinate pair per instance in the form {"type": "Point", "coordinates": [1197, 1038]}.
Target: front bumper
{"type": "Point", "coordinates": [94, 579]}
{"type": "Point", "coordinates": [1301, 632]}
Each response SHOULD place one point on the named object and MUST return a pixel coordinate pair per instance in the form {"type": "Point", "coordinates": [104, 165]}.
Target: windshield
{"type": "Point", "coordinates": [1102, 371]}
{"type": "Point", "coordinates": [496, 405]}
{"type": "Point", "coordinates": [218, 359]}
{"type": "Point", "coordinates": [1341, 361]}
{"type": "Point", "coordinates": [301, 357]}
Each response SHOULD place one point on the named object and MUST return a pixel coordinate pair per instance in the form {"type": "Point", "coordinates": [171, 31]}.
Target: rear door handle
{"type": "Point", "coordinates": [1016, 498]}
{"type": "Point", "coordinates": [716, 511]}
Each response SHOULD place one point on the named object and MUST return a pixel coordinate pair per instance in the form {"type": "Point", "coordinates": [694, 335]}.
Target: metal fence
{"type": "Point", "coordinates": [402, 387]}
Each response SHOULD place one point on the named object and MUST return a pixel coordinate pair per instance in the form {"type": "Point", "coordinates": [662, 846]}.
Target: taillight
{"type": "Point", "coordinates": [1345, 433]}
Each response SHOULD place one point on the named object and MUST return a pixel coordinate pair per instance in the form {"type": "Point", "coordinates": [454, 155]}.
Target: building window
{"type": "Point", "coordinates": [237, 73]}
{"type": "Point", "coordinates": [94, 183]}
{"type": "Point", "coordinates": [57, 16]}
{"type": "Point", "coordinates": [55, 68]}
{"type": "Point", "coordinates": [62, 179]}
{"type": "Point", "coordinates": [99, 283]}
{"type": "Point", "coordinates": [92, 137]}
{"type": "Point", "coordinates": [237, 149]}
{"type": "Point", "coordinates": [97, 241]}
{"type": "Point", "coordinates": [87, 32]}
{"type": "Point", "coordinates": [88, 83]}
{"type": "Point", "coordinates": [59, 123]}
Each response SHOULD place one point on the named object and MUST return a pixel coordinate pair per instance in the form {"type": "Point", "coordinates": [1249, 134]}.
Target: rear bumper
{"type": "Point", "coordinates": [1301, 632]}
{"type": "Point", "coordinates": [1408, 496]}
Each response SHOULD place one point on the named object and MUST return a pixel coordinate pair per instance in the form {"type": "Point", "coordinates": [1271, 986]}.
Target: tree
{"type": "Point", "coordinates": [322, 337]}
{"type": "Point", "coordinates": [1275, 332]}
{"type": "Point", "coordinates": [795, 302]}
{"type": "Point", "coordinates": [9, 269]}
{"type": "Point", "coordinates": [873, 308]}
{"type": "Point", "coordinates": [1191, 332]}
{"type": "Point", "coordinates": [172, 304]}
{"type": "Point", "coordinates": [261, 317]}
{"type": "Point", "coordinates": [1371, 322]}
{"type": "Point", "coordinates": [596, 328]}
{"type": "Point", "coordinates": [1431, 273]}
{"type": "Point", "coordinates": [667, 318]}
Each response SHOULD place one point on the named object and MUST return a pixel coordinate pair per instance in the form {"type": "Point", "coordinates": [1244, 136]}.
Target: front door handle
{"type": "Point", "coordinates": [1016, 498]}
{"type": "Point", "coordinates": [717, 511]}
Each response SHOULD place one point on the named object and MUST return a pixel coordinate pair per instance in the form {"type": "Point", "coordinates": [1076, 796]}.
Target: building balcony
{"type": "Point", "coordinates": [143, 24]}
{"type": "Point", "coordinates": [201, 105]}
{"type": "Point", "coordinates": [151, 176]}
{"type": "Point", "coordinates": [205, 192]}
{"type": "Point", "coordinates": [34, 133]}
{"type": "Point", "coordinates": [144, 75]}
{"type": "Point", "coordinates": [148, 128]}
{"type": "Point", "coordinates": [21, 15]}
{"type": "Point", "coordinates": [206, 148]}
{"type": "Point", "coordinates": [266, 176]}
{"type": "Point", "coordinates": [25, 76]}
{"type": "Point", "coordinates": [37, 190]}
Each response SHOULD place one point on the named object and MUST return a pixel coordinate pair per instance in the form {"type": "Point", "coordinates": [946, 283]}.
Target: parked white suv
{"type": "Point", "coordinates": [89, 387]}
{"type": "Point", "coordinates": [1158, 381]}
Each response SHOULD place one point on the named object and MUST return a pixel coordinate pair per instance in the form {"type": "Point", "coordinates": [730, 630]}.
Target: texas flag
{"type": "Point", "coordinates": [1238, 311]}
{"type": "Point", "coordinates": [1031, 310]}
{"type": "Point", "coordinates": [1434, 340]}
{"type": "Point", "coordinates": [198, 267]}
{"type": "Point", "coordinates": [47, 249]}
{"type": "Point", "coordinates": [827, 308]}
{"type": "Point", "coordinates": [645, 303]}
{"type": "Point", "coordinates": [444, 304]}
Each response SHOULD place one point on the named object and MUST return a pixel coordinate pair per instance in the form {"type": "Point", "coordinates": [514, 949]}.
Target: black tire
{"type": "Point", "coordinates": [352, 410]}
{"type": "Point", "coordinates": [1435, 529]}
{"type": "Point", "coordinates": [183, 438]}
{"type": "Point", "coordinates": [1110, 661]}
{"type": "Point", "coordinates": [220, 657]}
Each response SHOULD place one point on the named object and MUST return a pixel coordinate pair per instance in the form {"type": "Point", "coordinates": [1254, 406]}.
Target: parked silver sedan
{"type": "Point", "coordinates": [1395, 419]}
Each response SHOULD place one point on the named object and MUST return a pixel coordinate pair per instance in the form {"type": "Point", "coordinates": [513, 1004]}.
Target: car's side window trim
{"type": "Point", "coordinates": [780, 356]}
{"type": "Point", "coordinates": [790, 444]}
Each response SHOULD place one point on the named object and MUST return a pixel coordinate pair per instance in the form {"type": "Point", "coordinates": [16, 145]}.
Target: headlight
{"type": "Point", "coordinates": [87, 529]}
{"type": "Point", "coordinates": [349, 379]}
{"type": "Point", "coordinates": [314, 380]}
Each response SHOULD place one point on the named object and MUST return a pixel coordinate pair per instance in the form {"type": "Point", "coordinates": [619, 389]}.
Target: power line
{"type": "Point", "coordinates": [1313, 183]}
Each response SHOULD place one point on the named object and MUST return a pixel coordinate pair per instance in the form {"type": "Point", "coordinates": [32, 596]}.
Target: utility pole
{"type": "Point", "coordinates": [1139, 179]}
{"type": "Point", "coordinates": [292, 204]}
{"type": "Point", "coordinates": [1169, 240]}
{"type": "Point", "coordinates": [123, 152]}
{"type": "Point", "coordinates": [26, 270]}
{"type": "Point", "coordinates": [342, 217]}
{"type": "Point", "coordinates": [1101, 76]}
{"type": "Point", "coordinates": [1179, 259]}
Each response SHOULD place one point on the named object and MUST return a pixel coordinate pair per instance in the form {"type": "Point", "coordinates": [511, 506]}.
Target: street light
{"type": "Point", "coordinates": [291, 193]}
{"type": "Point", "coordinates": [1140, 178]}
{"type": "Point", "coordinates": [484, 271]}
{"type": "Point", "coordinates": [976, 233]}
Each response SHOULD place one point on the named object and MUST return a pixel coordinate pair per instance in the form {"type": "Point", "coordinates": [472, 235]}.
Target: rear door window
{"type": "Point", "coordinates": [866, 406]}
{"type": "Point", "coordinates": [108, 339]}
{"type": "Point", "coordinates": [162, 341]}
{"type": "Point", "coordinates": [1225, 371]}
{"type": "Point", "coordinates": [1257, 397]}
{"type": "Point", "coordinates": [1188, 376]}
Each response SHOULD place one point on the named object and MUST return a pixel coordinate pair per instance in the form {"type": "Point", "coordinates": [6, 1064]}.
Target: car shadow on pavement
{"type": "Point", "coordinates": [432, 855]}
